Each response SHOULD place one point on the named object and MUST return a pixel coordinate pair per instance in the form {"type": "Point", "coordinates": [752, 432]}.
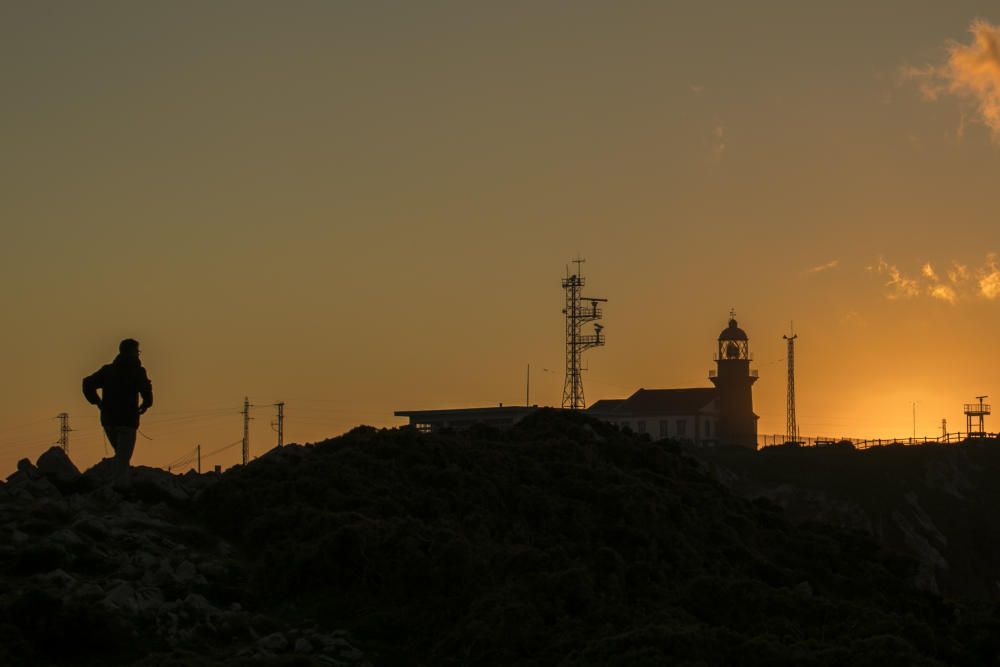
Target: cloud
{"type": "Point", "coordinates": [900, 287]}
{"type": "Point", "coordinates": [971, 73]}
{"type": "Point", "coordinates": [719, 139]}
{"type": "Point", "coordinates": [832, 264]}
{"type": "Point", "coordinates": [962, 284]}
{"type": "Point", "coordinates": [989, 279]}
{"type": "Point", "coordinates": [958, 273]}
{"type": "Point", "coordinates": [943, 292]}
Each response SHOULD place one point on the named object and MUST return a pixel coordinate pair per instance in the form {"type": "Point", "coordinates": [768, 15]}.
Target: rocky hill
{"type": "Point", "coordinates": [937, 503]}
{"type": "Point", "coordinates": [563, 541]}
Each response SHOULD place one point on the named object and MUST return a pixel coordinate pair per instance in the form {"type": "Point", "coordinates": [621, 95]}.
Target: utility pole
{"type": "Point", "coordinates": [199, 458]}
{"type": "Point", "coordinates": [944, 428]}
{"type": "Point", "coordinates": [527, 389]}
{"type": "Point", "coordinates": [914, 420]}
{"type": "Point", "coordinates": [791, 425]}
{"type": "Point", "coordinates": [576, 342]}
{"type": "Point", "coordinates": [279, 425]}
{"type": "Point", "coordinates": [246, 429]}
{"type": "Point", "coordinates": [64, 431]}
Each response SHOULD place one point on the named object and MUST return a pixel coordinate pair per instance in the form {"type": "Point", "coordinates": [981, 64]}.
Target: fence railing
{"type": "Point", "coordinates": [865, 443]}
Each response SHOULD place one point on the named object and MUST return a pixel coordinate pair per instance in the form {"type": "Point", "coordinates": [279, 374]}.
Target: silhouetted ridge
{"type": "Point", "coordinates": [565, 541]}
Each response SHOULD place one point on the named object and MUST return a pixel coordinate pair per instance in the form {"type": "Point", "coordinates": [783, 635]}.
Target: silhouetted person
{"type": "Point", "coordinates": [122, 383]}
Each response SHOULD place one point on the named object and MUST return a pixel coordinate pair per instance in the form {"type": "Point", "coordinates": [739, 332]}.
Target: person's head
{"type": "Point", "coordinates": [129, 348]}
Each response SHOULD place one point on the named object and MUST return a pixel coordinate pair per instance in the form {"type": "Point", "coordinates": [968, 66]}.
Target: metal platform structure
{"type": "Point", "coordinates": [976, 411]}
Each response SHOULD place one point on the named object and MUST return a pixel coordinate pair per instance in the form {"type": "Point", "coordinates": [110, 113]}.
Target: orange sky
{"type": "Point", "coordinates": [359, 208]}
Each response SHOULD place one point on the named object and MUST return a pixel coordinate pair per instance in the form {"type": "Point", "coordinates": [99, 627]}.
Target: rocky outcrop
{"type": "Point", "coordinates": [935, 503]}
{"type": "Point", "coordinates": [91, 576]}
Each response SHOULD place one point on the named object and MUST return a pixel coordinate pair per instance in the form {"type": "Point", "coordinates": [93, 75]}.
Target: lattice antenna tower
{"type": "Point", "coordinates": [577, 314]}
{"type": "Point", "coordinates": [64, 431]}
{"type": "Point", "coordinates": [791, 424]}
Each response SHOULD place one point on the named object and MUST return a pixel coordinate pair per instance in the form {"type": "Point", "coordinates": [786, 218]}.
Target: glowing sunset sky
{"type": "Point", "coordinates": [363, 207]}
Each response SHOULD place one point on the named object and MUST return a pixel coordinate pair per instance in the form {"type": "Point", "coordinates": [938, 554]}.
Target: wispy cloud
{"type": "Point", "coordinates": [899, 286]}
{"type": "Point", "coordinates": [989, 279]}
{"type": "Point", "coordinates": [719, 140]}
{"type": "Point", "coordinates": [971, 73]}
{"type": "Point", "coordinates": [960, 284]}
{"type": "Point", "coordinates": [943, 292]}
{"type": "Point", "coordinates": [832, 264]}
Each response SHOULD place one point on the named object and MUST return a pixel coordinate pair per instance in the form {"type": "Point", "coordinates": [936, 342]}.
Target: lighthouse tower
{"type": "Point", "coordinates": [733, 382]}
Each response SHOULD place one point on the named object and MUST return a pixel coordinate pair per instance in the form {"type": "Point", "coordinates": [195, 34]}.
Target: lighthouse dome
{"type": "Point", "coordinates": [733, 332]}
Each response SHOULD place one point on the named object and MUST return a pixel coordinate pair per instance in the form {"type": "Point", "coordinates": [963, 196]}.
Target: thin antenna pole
{"type": "Point", "coordinates": [199, 458]}
{"type": "Point", "coordinates": [246, 429]}
{"type": "Point", "coordinates": [527, 389]}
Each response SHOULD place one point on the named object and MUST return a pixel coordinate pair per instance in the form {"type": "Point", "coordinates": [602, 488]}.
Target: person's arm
{"type": "Point", "coordinates": [91, 384]}
{"type": "Point", "coordinates": [146, 391]}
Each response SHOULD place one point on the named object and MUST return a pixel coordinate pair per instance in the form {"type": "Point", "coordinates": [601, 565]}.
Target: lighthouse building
{"type": "Point", "coordinates": [722, 414]}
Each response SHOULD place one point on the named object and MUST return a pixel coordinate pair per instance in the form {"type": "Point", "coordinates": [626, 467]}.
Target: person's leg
{"type": "Point", "coordinates": [124, 444]}
{"type": "Point", "coordinates": [109, 431]}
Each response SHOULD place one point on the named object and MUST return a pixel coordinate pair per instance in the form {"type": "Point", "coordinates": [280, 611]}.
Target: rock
{"type": "Point", "coordinates": [122, 596]}
{"type": "Point", "coordinates": [57, 467]}
{"type": "Point", "coordinates": [66, 537]}
{"type": "Point", "coordinates": [24, 466]}
{"type": "Point", "coordinates": [186, 572]}
{"type": "Point", "coordinates": [153, 485]}
{"type": "Point", "coordinates": [58, 579]}
{"type": "Point", "coordinates": [273, 642]}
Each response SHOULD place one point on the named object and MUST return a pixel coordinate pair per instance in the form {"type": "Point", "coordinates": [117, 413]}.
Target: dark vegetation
{"type": "Point", "coordinates": [565, 541]}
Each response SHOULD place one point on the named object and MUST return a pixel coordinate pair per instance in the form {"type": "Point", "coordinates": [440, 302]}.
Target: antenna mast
{"type": "Point", "coordinates": [791, 425]}
{"type": "Point", "coordinates": [577, 342]}
{"type": "Point", "coordinates": [246, 429]}
{"type": "Point", "coordinates": [64, 431]}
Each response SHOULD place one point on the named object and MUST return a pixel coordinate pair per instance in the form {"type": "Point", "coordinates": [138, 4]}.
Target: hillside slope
{"type": "Point", "coordinates": [937, 503]}
{"type": "Point", "coordinates": [567, 542]}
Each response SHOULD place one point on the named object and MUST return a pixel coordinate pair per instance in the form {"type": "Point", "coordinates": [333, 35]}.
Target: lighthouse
{"type": "Point", "coordinates": [733, 380]}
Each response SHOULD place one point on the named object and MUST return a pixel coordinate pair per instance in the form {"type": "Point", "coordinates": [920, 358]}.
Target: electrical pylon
{"type": "Point", "coordinates": [576, 342]}
{"type": "Point", "coordinates": [791, 425]}
{"type": "Point", "coordinates": [279, 425]}
{"type": "Point", "coordinates": [64, 431]}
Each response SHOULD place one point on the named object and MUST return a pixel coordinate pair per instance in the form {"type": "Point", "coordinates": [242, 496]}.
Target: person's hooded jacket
{"type": "Point", "coordinates": [122, 383]}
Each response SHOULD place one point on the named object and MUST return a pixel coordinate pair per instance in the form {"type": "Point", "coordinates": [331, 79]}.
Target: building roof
{"type": "Point", "coordinates": [470, 412]}
{"type": "Point", "coordinates": [733, 332]}
{"type": "Point", "coordinates": [648, 402]}
{"type": "Point", "coordinates": [606, 404]}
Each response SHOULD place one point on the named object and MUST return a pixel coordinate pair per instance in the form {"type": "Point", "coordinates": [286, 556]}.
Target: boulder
{"type": "Point", "coordinates": [152, 485]}
{"type": "Point", "coordinates": [274, 642]}
{"type": "Point", "coordinates": [57, 467]}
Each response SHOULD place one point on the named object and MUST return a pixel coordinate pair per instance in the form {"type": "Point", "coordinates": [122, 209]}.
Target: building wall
{"type": "Point", "coordinates": [680, 427]}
